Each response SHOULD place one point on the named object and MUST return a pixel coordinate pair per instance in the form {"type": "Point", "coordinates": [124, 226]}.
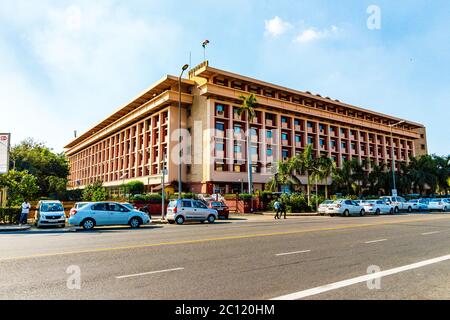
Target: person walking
{"type": "Point", "coordinates": [277, 207]}
{"type": "Point", "coordinates": [283, 209]}
{"type": "Point", "coordinates": [25, 212]}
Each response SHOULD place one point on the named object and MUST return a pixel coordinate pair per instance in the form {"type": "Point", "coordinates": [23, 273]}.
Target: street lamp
{"type": "Point", "coordinates": [242, 185]}
{"type": "Point", "coordinates": [163, 191]}
{"type": "Point", "coordinates": [179, 129]}
{"type": "Point", "coordinates": [392, 155]}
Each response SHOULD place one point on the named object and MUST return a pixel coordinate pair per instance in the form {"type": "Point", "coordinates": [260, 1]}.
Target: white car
{"type": "Point", "coordinates": [345, 208]}
{"type": "Point", "coordinates": [377, 207]}
{"type": "Point", "coordinates": [50, 213]}
{"type": "Point", "coordinates": [419, 204]}
{"type": "Point", "coordinates": [398, 203]}
{"type": "Point", "coordinates": [439, 204]}
{"type": "Point", "coordinates": [107, 214]}
{"type": "Point", "coordinates": [183, 210]}
{"type": "Point", "coordinates": [323, 207]}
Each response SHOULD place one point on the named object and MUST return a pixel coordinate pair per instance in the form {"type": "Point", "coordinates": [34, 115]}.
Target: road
{"type": "Point", "coordinates": [253, 257]}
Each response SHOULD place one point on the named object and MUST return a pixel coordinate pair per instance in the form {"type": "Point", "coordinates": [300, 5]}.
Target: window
{"type": "Point", "coordinates": [283, 120]}
{"type": "Point", "coordinates": [284, 136]}
{"type": "Point", "coordinates": [321, 127]}
{"type": "Point", "coordinates": [310, 140]}
{"type": "Point", "coordinates": [353, 146]}
{"type": "Point", "coordinates": [342, 131]}
{"type": "Point", "coordinates": [237, 129]}
{"type": "Point", "coordinates": [117, 208]}
{"type": "Point", "coordinates": [237, 148]}
{"type": "Point", "coordinates": [198, 204]}
{"type": "Point", "coordinates": [269, 134]}
{"type": "Point", "coordinates": [310, 125]}
{"type": "Point", "coordinates": [269, 152]}
{"type": "Point", "coordinates": [253, 132]}
{"type": "Point", "coordinates": [285, 154]}
{"type": "Point", "coordinates": [220, 108]}
{"type": "Point", "coordinates": [297, 122]}
{"type": "Point", "coordinates": [219, 167]}
{"type": "Point", "coordinates": [298, 138]}
{"type": "Point", "coordinates": [219, 146]}
{"type": "Point", "coordinates": [100, 207]}
{"type": "Point", "coordinates": [322, 142]}
{"type": "Point", "coordinates": [254, 150]}
{"type": "Point", "coordinates": [186, 203]}
{"type": "Point", "coordinates": [237, 168]}
{"type": "Point", "coordinates": [333, 143]}
{"type": "Point", "coordinates": [220, 126]}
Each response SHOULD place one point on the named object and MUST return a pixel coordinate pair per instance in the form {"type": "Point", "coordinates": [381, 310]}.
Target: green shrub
{"type": "Point", "coordinates": [147, 197]}
{"type": "Point", "coordinates": [229, 196]}
{"type": "Point", "coordinates": [245, 196]}
{"type": "Point", "coordinates": [9, 215]}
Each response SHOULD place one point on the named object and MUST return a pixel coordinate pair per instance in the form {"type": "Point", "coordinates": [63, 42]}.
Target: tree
{"type": "Point", "coordinates": [21, 186]}
{"type": "Point", "coordinates": [135, 187]}
{"type": "Point", "coordinates": [325, 167]}
{"type": "Point", "coordinates": [305, 164]}
{"type": "Point", "coordinates": [285, 176]}
{"type": "Point", "coordinates": [248, 107]}
{"type": "Point", "coordinates": [41, 162]}
{"type": "Point", "coordinates": [95, 192]}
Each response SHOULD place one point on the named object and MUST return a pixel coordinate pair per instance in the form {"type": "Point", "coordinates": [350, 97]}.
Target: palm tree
{"type": "Point", "coordinates": [305, 164]}
{"type": "Point", "coordinates": [326, 167]}
{"type": "Point", "coordinates": [248, 107]}
{"type": "Point", "coordinates": [285, 176]}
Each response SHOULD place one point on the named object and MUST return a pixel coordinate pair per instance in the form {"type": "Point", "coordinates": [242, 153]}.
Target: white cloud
{"type": "Point", "coordinates": [312, 34]}
{"type": "Point", "coordinates": [276, 26]}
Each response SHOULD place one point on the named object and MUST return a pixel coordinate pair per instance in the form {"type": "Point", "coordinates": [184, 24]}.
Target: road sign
{"type": "Point", "coordinates": [394, 192]}
{"type": "Point", "coordinates": [4, 152]}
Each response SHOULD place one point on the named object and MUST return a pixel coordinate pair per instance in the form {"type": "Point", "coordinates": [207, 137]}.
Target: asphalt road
{"type": "Point", "coordinates": [246, 258]}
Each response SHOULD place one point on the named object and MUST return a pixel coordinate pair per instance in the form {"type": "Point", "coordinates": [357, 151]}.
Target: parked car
{"type": "Point", "coordinates": [377, 207]}
{"type": "Point", "coordinates": [183, 210]}
{"type": "Point", "coordinates": [106, 214]}
{"type": "Point", "coordinates": [398, 203]}
{"type": "Point", "coordinates": [345, 208]}
{"type": "Point", "coordinates": [419, 204]}
{"type": "Point", "coordinates": [78, 205]}
{"type": "Point", "coordinates": [50, 213]}
{"type": "Point", "coordinates": [323, 207]}
{"type": "Point", "coordinates": [439, 204]}
{"type": "Point", "coordinates": [221, 207]}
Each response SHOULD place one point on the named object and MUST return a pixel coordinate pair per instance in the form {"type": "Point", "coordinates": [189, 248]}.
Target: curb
{"type": "Point", "coordinates": [14, 228]}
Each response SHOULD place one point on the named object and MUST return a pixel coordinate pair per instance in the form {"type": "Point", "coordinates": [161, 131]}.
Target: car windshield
{"type": "Point", "coordinates": [216, 204]}
{"type": "Point", "coordinates": [412, 201]}
{"type": "Point", "coordinates": [80, 204]}
{"type": "Point", "coordinates": [52, 207]}
{"type": "Point", "coordinates": [128, 205]}
{"type": "Point", "coordinates": [327, 202]}
{"type": "Point", "coordinates": [370, 201]}
{"type": "Point", "coordinates": [173, 204]}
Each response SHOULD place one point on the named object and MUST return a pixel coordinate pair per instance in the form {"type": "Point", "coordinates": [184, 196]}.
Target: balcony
{"type": "Point", "coordinates": [285, 142]}
{"type": "Point", "coordinates": [297, 128]}
{"type": "Point", "coordinates": [220, 154]}
{"type": "Point", "coordinates": [254, 138]}
{"type": "Point", "coordinates": [269, 122]}
{"type": "Point", "coordinates": [298, 144]}
{"type": "Point", "coordinates": [254, 158]}
{"type": "Point", "coordinates": [220, 133]}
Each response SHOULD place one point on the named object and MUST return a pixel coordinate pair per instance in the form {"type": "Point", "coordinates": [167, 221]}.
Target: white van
{"type": "Point", "coordinates": [50, 213]}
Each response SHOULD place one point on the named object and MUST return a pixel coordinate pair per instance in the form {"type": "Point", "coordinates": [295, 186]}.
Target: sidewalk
{"type": "Point", "coordinates": [300, 214]}
{"type": "Point", "coordinates": [13, 227]}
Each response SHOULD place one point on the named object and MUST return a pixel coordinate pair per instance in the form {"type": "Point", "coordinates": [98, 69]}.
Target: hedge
{"type": "Point", "coordinates": [9, 215]}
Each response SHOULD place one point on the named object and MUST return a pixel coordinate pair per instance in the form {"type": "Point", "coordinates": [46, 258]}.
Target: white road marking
{"type": "Point", "coordinates": [148, 273]}
{"type": "Point", "coordinates": [294, 252]}
{"type": "Point", "coordinates": [432, 232]}
{"type": "Point", "coordinates": [365, 278]}
{"type": "Point", "coordinates": [373, 241]}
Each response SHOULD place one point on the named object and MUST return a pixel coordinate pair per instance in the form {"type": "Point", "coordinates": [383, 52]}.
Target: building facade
{"type": "Point", "coordinates": [141, 138]}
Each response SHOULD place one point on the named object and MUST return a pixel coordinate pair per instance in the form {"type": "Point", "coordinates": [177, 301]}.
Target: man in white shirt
{"type": "Point", "coordinates": [25, 211]}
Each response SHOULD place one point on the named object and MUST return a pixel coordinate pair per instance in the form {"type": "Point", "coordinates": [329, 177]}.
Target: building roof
{"type": "Point", "coordinates": [204, 70]}
{"type": "Point", "coordinates": [154, 90]}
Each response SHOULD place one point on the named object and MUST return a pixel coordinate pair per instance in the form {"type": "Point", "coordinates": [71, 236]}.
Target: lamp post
{"type": "Point", "coordinates": [163, 191]}
{"type": "Point", "coordinates": [179, 130]}
{"type": "Point", "coordinates": [392, 155]}
{"type": "Point", "coordinates": [242, 185]}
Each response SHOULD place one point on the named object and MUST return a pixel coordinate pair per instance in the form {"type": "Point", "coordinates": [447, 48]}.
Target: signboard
{"type": "Point", "coordinates": [394, 192]}
{"type": "Point", "coordinates": [4, 152]}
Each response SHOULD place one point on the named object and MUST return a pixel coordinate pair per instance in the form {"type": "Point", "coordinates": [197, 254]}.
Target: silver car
{"type": "Point", "coordinates": [345, 208]}
{"type": "Point", "coordinates": [50, 213]}
{"type": "Point", "coordinates": [439, 204]}
{"type": "Point", "coordinates": [183, 210]}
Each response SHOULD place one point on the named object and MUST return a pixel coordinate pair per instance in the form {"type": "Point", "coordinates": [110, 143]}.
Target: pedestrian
{"type": "Point", "coordinates": [283, 209]}
{"type": "Point", "coordinates": [277, 207]}
{"type": "Point", "coordinates": [25, 211]}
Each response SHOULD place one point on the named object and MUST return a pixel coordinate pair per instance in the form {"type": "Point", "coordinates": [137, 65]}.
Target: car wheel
{"type": "Point", "coordinates": [409, 209]}
{"type": "Point", "coordinates": [362, 213]}
{"type": "Point", "coordinates": [135, 222]}
{"type": "Point", "coordinates": [179, 220]}
{"type": "Point", "coordinates": [378, 212]}
{"type": "Point", "coordinates": [211, 219]}
{"type": "Point", "coordinates": [88, 224]}
{"type": "Point", "coordinates": [347, 213]}
{"type": "Point", "coordinates": [396, 210]}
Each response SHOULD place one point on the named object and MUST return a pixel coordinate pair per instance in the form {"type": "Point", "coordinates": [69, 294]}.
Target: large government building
{"type": "Point", "coordinates": [141, 138]}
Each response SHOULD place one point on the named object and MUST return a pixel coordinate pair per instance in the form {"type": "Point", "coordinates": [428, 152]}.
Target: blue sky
{"type": "Point", "coordinates": [65, 65]}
